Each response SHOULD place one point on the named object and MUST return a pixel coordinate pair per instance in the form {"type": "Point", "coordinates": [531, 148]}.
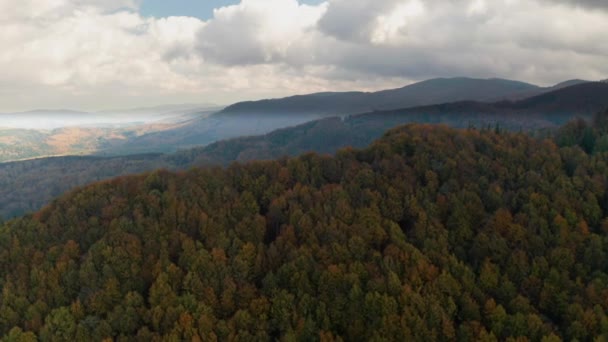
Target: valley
{"type": "Point", "coordinates": [167, 129]}
{"type": "Point", "coordinates": [29, 185]}
{"type": "Point", "coordinates": [45, 133]}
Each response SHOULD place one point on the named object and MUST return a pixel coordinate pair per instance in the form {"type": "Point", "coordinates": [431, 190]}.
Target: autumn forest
{"type": "Point", "coordinates": [431, 233]}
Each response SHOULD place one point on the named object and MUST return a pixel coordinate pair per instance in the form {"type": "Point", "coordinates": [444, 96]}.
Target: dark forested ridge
{"type": "Point", "coordinates": [26, 186]}
{"type": "Point", "coordinates": [431, 233]}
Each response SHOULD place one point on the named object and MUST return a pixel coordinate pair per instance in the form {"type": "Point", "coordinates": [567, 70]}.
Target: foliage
{"type": "Point", "coordinates": [431, 233]}
{"type": "Point", "coordinates": [591, 136]}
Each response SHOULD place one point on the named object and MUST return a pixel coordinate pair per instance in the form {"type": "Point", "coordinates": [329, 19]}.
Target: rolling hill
{"type": "Point", "coordinates": [261, 117]}
{"type": "Point", "coordinates": [27, 186]}
{"type": "Point", "coordinates": [430, 92]}
{"type": "Point", "coordinates": [429, 234]}
{"type": "Point", "coordinates": [166, 129]}
{"type": "Point", "coordinates": [578, 98]}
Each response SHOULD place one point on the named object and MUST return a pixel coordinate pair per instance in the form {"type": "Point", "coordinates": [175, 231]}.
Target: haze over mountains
{"type": "Point", "coordinates": [166, 129]}
{"type": "Point", "coordinates": [43, 133]}
{"type": "Point", "coordinates": [434, 91]}
{"type": "Point", "coordinates": [49, 119]}
{"type": "Point", "coordinates": [28, 185]}
{"type": "Point", "coordinates": [260, 117]}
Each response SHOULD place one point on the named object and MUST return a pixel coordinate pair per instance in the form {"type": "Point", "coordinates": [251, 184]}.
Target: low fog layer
{"type": "Point", "coordinates": [53, 119]}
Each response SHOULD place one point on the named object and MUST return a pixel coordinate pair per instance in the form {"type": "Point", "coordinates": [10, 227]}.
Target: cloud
{"type": "Point", "coordinates": [414, 39]}
{"type": "Point", "coordinates": [483, 38]}
{"type": "Point", "coordinates": [56, 9]}
{"type": "Point", "coordinates": [257, 31]}
{"type": "Point", "coordinates": [90, 53]}
{"type": "Point", "coordinates": [595, 4]}
{"type": "Point", "coordinates": [103, 53]}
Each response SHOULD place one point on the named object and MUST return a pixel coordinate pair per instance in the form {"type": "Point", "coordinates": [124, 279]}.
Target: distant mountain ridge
{"type": "Point", "coordinates": [26, 186]}
{"type": "Point", "coordinates": [439, 90]}
{"type": "Point", "coordinates": [434, 91]}
{"type": "Point", "coordinates": [583, 98]}
{"type": "Point", "coordinates": [237, 121]}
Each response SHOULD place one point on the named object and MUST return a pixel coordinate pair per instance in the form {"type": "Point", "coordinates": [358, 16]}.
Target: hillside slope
{"type": "Point", "coordinates": [540, 111]}
{"type": "Point", "coordinates": [578, 99]}
{"type": "Point", "coordinates": [261, 117]}
{"type": "Point", "coordinates": [425, 93]}
{"type": "Point", "coordinates": [430, 234]}
{"type": "Point", "coordinates": [440, 90]}
{"type": "Point", "coordinates": [27, 186]}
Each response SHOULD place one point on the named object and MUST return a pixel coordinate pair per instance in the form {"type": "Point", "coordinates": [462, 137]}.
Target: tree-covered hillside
{"type": "Point", "coordinates": [28, 185]}
{"type": "Point", "coordinates": [431, 233]}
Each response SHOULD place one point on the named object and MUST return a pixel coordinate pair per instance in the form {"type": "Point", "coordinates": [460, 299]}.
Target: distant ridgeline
{"type": "Point", "coordinates": [432, 233]}
{"type": "Point", "coordinates": [458, 102]}
{"type": "Point", "coordinates": [29, 185]}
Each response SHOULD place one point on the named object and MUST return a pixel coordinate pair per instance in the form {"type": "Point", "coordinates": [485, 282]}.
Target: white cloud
{"type": "Point", "coordinates": [258, 31]}
{"type": "Point", "coordinates": [91, 53]}
{"type": "Point", "coordinates": [103, 53]}
{"type": "Point", "coordinates": [538, 41]}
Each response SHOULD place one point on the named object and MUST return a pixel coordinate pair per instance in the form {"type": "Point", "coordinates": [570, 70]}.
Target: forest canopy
{"type": "Point", "coordinates": [432, 233]}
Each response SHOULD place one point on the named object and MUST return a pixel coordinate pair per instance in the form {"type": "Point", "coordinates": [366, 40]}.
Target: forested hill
{"type": "Point", "coordinates": [578, 99]}
{"type": "Point", "coordinates": [430, 234]}
{"type": "Point", "coordinates": [429, 92]}
{"type": "Point", "coordinates": [27, 186]}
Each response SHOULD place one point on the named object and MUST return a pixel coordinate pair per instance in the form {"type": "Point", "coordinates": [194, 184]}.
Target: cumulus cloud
{"type": "Point", "coordinates": [415, 39]}
{"type": "Point", "coordinates": [507, 38]}
{"type": "Point", "coordinates": [596, 4]}
{"type": "Point", "coordinates": [384, 21]}
{"type": "Point", "coordinates": [257, 31]}
{"type": "Point", "coordinates": [103, 53]}
{"type": "Point", "coordinates": [89, 53]}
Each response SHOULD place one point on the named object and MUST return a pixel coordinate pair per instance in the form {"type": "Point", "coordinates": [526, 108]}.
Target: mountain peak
{"type": "Point", "coordinates": [569, 83]}
{"type": "Point", "coordinates": [433, 91]}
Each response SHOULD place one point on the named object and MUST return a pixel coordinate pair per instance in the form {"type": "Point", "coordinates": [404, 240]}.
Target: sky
{"type": "Point", "coordinates": [105, 54]}
{"type": "Point", "coordinates": [202, 9]}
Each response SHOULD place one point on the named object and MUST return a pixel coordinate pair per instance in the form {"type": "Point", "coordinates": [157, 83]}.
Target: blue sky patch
{"type": "Point", "coordinates": [192, 8]}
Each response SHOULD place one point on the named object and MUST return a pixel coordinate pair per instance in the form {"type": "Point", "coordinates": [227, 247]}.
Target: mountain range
{"type": "Point", "coordinates": [167, 129]}
{"type": "Point", "coordinates": [261, 117]}
{"type": "Point", "coordinates": [28, 185]}
{"type": "Point", "coordinates": [434, 91]}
